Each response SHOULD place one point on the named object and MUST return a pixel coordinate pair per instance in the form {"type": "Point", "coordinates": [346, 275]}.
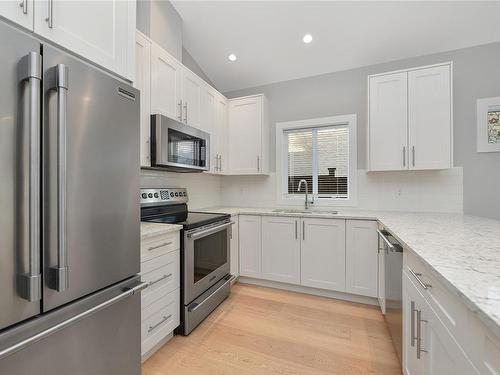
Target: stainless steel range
{"type": "Point", "coordinates": [205, 249]}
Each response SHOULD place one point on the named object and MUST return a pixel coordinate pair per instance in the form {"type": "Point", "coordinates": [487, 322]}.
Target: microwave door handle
{"type": "Point", "coordinates": [58, 81]}
{"type": "Point", "coordinates": [203, 233]}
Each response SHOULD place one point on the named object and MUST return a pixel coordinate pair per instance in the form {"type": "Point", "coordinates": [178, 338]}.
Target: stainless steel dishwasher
{"type": "Point", "coordinates": [391, 254]}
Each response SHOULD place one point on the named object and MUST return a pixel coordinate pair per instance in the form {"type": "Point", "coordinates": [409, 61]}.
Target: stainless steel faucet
{"type": "Point", "coordinates": [307, 202]}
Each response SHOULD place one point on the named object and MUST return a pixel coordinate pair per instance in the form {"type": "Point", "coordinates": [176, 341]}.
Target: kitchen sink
{"type": "Point", "coordinates": [310, 212]}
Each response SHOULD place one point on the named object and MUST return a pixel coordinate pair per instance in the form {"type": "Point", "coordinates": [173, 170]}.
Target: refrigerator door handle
{"type": "Point", "coordinates": [127, 292]}
{"type": "Point", "coordinates": [30, 70]}
{"type": "Point", "coordinates": [58, 80]}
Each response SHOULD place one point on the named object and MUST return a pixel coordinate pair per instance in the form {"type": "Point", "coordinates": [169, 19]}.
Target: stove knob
{"type": "Point", "coordinates": [156, 195]}
{"type": "Point", "coordinates": [171, 194]}
{"type": "Point", "coordinates": [185, 194]}
{"type": "Point", "coordinates": [176, 194]}
{"type": "Point", "coordinates": [144, 195]}
{"type": "Point", "coordinates": [150, 195]}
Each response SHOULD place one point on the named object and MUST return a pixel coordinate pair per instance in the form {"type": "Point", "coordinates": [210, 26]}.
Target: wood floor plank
{"type": "Point", "coordinates": [269, 331]}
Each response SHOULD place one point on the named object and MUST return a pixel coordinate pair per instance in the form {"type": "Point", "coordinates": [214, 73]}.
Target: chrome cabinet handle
{"type": "Point", "coordinates": [419, 334]}
{"type": "Point", "coordinates": [160, 279]}
{"type": "Point", "coordinates": [163, 320]}
{"type": "Point", "coordinates": [31, 72]}
{"type": "Point", "coordinates": [220, 163]}
{"type": "Point", "coordinates": [296, 230]}
{"type": "Point", "coordinates": [50, 13]}
{"type": "Point", "coordinates": [412, 322]}
{"type": "Point", "coordinates": [57, 80]}
{"type": "Point", "coordinates": [413, 154]}
{"type": "Point", "coordinates": [419, 280]}
{"type": "Point", "coordinates": [185, 113]}
{"type": "Point", "coordinates": [180, 110]}
{"type": "Point", "coordinates": [303, 230]}
{"type": "Point", "coordinates": [404, 156]}
{"type": "Point", "coordinates": [258, 163]}
{"type": "Point", "coordinates": [24, 4]}
{"type": "Point", "coordinates": [160, 245]}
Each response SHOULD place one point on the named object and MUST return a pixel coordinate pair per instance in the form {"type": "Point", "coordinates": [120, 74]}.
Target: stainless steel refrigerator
{"type": "Point", "coordinates": [69, 214]}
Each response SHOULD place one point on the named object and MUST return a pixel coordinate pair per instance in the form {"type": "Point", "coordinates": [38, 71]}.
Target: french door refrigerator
{"type": "Point", "coordinates": [69, 214]}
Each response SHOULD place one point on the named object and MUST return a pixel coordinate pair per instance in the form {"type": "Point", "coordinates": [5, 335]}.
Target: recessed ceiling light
{"type": "Point", "coordinates": [307, 38]}
{"type": "Point", "coordinates": [232, 57]}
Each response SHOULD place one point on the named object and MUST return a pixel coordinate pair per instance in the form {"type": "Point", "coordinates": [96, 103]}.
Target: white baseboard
{"type": "Point", "coordinates": [307, 290]}
{"type": "Point", "coordinates": [155, 348]}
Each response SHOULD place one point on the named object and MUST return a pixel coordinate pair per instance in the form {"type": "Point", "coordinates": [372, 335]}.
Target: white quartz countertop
{"type": "Point", "coordinates": [462, 251]}
{"type": "Point", "coordinates": [149, 230]}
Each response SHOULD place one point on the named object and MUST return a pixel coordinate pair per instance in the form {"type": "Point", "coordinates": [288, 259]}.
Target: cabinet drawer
{"type": "Point", "coordinates": [159, 245]}
{"type": "Point", "coordinates": [158, 262]}
{"type": "Point", "coordinates": [159, 320]}
{"type": "Point", "coordinates": [162, 280]}
{"type": "Point", "coordinates": [447, 306]}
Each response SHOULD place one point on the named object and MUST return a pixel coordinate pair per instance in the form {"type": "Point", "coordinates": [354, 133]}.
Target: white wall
{"type": "Point", "coordinates": [423, 191]}
{"type": "Point", "coordinates": [204, 190]}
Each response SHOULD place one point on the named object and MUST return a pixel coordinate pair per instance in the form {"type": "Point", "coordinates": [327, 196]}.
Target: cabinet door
{"type": "Point", "coordinates": [361, 257]}
{"type": "Point", "coordinates": [20, 12]}
{"type": "Point", "coordinates": [381, 278]}
{"type": "Point", "coordinates": [281, 249]}
{"type": "Point", "coordinates": [429, 116]}
{"type": "Point", "coordinates": [388, 122]}
{"type": "Point", "coordinates": [235, 248]}
{"type": "Point", "coordinates": [221, 133]}
{"type": "Point", "coordinates": [142, 82]}
{"type": "Point", "coordinates": [166, 84]}
{"type": "Point", "coordinates": [323, 253]}
{"type": "Point", "coordinates": [245, 135]}
{"type": "Point", "coordinates": [100, 31]}
{"type": "Point", "coordinates": [250, 246]}
{"type": "Point", "coordinates": [191, 98]}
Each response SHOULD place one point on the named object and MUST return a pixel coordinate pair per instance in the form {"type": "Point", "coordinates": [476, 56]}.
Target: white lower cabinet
{"type": "Point", "coordinates": [323, 253]}
{"type": "Point", "coordinates": [235, 248]}
{"type": "Point", "coordinates": [250, 235]}
{"type": "Point", "coordinates": [361, 256]}
{"type": "Point", "coordinates": [281, 249]}
{"type": "Point", "coordinates": [160, 301]}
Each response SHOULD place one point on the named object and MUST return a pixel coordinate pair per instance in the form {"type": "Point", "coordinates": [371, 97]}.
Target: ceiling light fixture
{"type": "Point", "coordinates": [232, 57]}
{"type": "Point", "coordinates": [307, 38]}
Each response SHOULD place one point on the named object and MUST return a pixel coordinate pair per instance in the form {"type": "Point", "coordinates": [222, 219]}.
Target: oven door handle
{"type": "Point", "coordinates": [206, 232]}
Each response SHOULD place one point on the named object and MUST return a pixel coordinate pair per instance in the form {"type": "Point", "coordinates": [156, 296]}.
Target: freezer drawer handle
{"type": "Point", "coordinates": [30, 70]}
{"type": "Point", "coordinates": [57, 78]}
{"type": "Point", "coordinates": [164, 319]}
{"type": "Point", "coordinates": [129, 291]}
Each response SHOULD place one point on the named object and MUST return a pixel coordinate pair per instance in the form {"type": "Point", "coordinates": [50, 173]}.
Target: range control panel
{"type": "Point", "coordinates": [163, 196]}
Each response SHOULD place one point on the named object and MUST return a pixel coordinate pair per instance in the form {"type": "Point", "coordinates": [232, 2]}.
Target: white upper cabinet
{"type": "Point", "coordinates": [100, 31]}
{"type": "Point", "coordinates": [248, 135]}
{"type": "Point", "coordinates": [410, 119]}
{"type": "Point", "coordinates": [166, 84]}
{"type": "Point", "coordinates": [323, 253]}
{"type": "Point", "coordinates": [361, 257]}
{"type": "Point", "coordinates": [220, 136]}
{"type": "Point", "coordinates": [429, 117]}
{"type": "Point", "coordinates": [281, 249]}
{"type": "Point", "coordinates": [191, 99]}
{"type": "Point", "coordinates": [142, 82]}
{"type": "Point", "coordinates": [20, 12]}
{"type": "Point", "coordinates": [388, 126]}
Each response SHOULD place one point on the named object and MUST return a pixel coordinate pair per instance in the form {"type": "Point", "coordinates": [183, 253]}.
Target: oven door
{"type": "Point", "coordinates": [177, 146]}
{"type": "Point", "coordinates": [206, 258]}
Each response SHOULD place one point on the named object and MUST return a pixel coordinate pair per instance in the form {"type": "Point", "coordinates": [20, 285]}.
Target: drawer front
{"type": "Point", "coordinates": [158, 262]}
{"type": "Point", "coordinates": [159, 245]}
{"type": "Point", "coordinates": [159, 320]}
{"type": "Point", "coordinates": [162, 280]}
{"type": "Point", "coordinates": [450, 310]}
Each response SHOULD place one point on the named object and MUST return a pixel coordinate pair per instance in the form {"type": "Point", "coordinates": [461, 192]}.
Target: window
{"type": "Point", "coordinates": [322, 152]}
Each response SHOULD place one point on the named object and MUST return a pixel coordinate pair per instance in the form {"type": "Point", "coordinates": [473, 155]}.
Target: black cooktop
{"type": "Point", "coordinates": [189, 220]}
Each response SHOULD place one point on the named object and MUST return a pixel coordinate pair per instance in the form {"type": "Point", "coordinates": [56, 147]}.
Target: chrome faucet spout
{"type": "Point", "coordinates": [306, 204]}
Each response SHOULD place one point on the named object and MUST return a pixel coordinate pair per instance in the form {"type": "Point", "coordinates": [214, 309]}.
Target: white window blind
{"type": "Point", "coordinates": [321, 157]}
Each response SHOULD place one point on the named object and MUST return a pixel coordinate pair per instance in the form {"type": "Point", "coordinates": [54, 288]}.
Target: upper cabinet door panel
{"type": "Point", "coordinates": [166, 83]}
{"type": "Point", "coordinates": [100, 31]}
{"type": "Point", "coordinates": [388, 122]}
{"type": "Point", "coordinates": [191, 95]}
{"type": "Point", "coordinates": [429, 116]}
{"type": "Point", "coordinates": [18, 11]}
{"type": "Point", "coordinates": [221, 133]}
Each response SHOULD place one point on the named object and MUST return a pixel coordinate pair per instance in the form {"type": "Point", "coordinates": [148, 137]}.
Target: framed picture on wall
{"type": "Point", "coordinates": [488, 124]}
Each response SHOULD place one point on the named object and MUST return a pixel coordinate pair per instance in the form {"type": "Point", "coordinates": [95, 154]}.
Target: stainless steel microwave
{"type": "Point", "coordinates": [178, 147]}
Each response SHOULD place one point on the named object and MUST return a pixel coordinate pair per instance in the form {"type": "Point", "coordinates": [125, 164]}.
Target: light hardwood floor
{"type": "Point", "coordinates": [268, 331]}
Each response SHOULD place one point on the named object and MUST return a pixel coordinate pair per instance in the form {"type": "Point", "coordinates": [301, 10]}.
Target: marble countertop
{"type": "Point", "coordinates": [149, 230]}
{"type": "Point", "coordinates": [462, 251]}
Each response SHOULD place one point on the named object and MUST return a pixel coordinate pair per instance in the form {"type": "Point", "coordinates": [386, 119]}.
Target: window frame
{"type": "Point", "coordinates": [283, 197]}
